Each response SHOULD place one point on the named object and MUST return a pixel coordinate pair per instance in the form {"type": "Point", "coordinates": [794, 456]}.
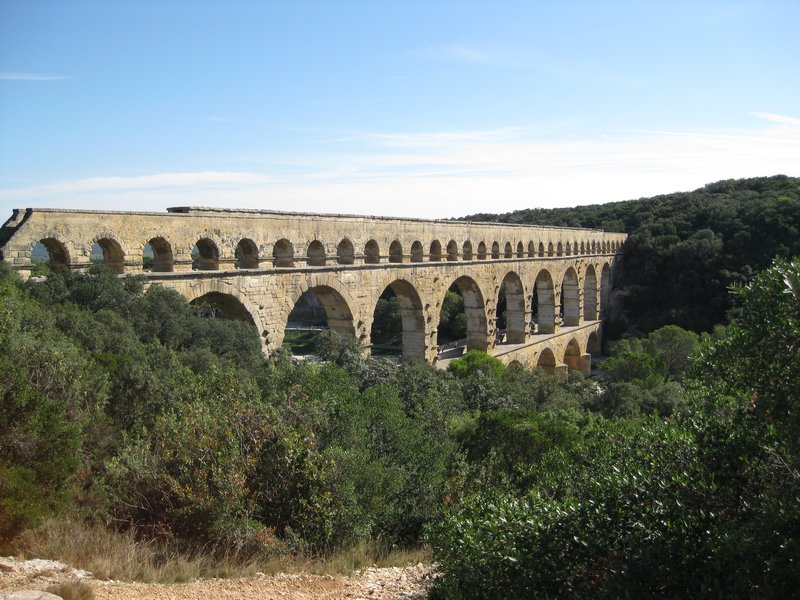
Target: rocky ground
{"type": "Point", "coordinates": [395, 582]}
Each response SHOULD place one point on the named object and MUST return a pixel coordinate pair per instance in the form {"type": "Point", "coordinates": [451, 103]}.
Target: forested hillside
{"type": "Point", "coordinates": [686, 249]}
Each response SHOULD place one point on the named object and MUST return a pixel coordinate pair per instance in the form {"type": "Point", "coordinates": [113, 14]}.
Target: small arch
{"type": "Point", "coordinates": [568, 249]}
{"type": "Point", "coordinates": [435, 254]}
{"type": "Point", "coordinates": [452, 251]}
{"type": "Point", "coordinates": [372, 253]}
{"type": "Point", "coordinates": [543, 303]}
{"type": "Point", "coordinates": [514, 296]}
{"type": "Point", "coordinates": [495, 250]}
{"type": "Point", "coordinates": [550, 249]}
{"type": "Point", "coordinates": [520, 250]}
{"type": "Point", "coordinates": [315, 254]}
{"type": "Point", "coordinates": [157, 256]}
{"type": "Point", "coordinates": [466, 250]}
{"type": "Point", "coordinates": [531, 250]}
{"type": "Point", "coordinates": [345, 253]}
{"type": "Point", "coordinates": [58, 258]}
{"type": "Point", "coordinates": [593, 344]}
{"type": "Point", "coordinates": [395, 252]}
{"type": "Point", "coordinates": [590, 294]}
{"type": "Point", "coordinates": [515, 364]}
{"type": "Point", "coordinates": [509, 251]}
{"type": "Point", "coordinates": [583, 248]}
{"type": "Point", "coordinates": [481, 251]}
{"type": "Point", "coordinates": [560, 249]}
{"type": "Point", "coordinates": [110, 252]}
{"type": "Point", "coordinates": [570, 299]}
{"type": "Point", "coordinates": [246, 254]}
{"type": "Point", "coordinates": [205, 255]}
{"type": "Point", "coordinates": [547, 361]}
{"type": "Point", "coordinates": [572, 357]}
{"type": "Point", "coordinates": [594, 247]}
{"type": "Point", "coordinates": [541, 249]}
{"type": "Point", "coordinates": [283, 253]}
{"type": "Point", "coordinates": [417, 252]}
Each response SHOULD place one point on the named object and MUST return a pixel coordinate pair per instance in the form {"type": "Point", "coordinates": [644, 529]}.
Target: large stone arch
{"type": "Point", "coordinates": [547, 361]}
{"type": "Point", "coordinates": [593, 345]}
{"type": "Point", "coordinates": [516, 320]}
{"type": "Point", "coordinates": [239, 306]}
{"type": "Point", "coordinates": [113, 249]}
{"type": "Point", "coordinates": [338, 312]}
{"type": "Point", "coordinates": [478, 335]}
{"type": "Point", "coordinates": [573, 358]}
{"type": "Point", "coordinates": [545, 302]}
{"type": "Point", "coordinates": [59, 251]}
{"type": "Point", "coordinates": [570, 299]}
{"type": "Point", "coordinates": [590, 294]}
{"type": "Point", "coordinates": [412, 317]}
{"type": "Point", "coordinates": [605, 287]}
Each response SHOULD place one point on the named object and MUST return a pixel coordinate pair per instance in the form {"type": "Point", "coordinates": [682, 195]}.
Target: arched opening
{"type": "Point", "coordinates": [345, 253]}
{"type": "Point", "coordinates": [317, 309]}
{"type": "Point", "coordinates": [417, 252]}
{"type": "Point", "coordinates": [372, 253]}
{"type": "Point", "coordinates": [583, 248]}
{"type": "Point", "coordinates": [315, 255]}
{"type": "Point", "coordinates": [547, 361]}
{"type": "Point", "coordinates": [223, 306]}
{"type": "Point", "coordinates": [544, 303]}
{"type": "Point", "coordinates": [541, 249]}
{"type": "Point", "coordinates": [395, 252]}
{"type": "Point", "coordinates": [246, 254]}
{"type": "Point", "coordinates": [435, 254]}
{"type": "Point", "coordinates": [572, 357]}
{"type": "Point", "coordinates": [474, 312]}
{"type": "Point", "coordinates": [495, 250]}
{"type": "Point", "coordinates": [560, 249]}
{"type": "Point", "coordinates": [508, 252]}
{"type": "Point", "coordinates": [51, 254]}
{"type": "Point", "coordinates": [110, 253]}
{"type": "Point", "coordinates": [481, 251]}
{"type": "Point", "coordinates": [520, 250]}
{"type": "Point", "coordinates": [550, 249]}
{"type": "Point", "coordinates": [466, 250]}
{"type": "Point", "coordinates": [511, 308]}
{"type": "Point", "coordinates": [283, 253]}
{"type": "Point", "coordinates": [452, 250]}
{"type": "Point", "coordinates": [531, 250]}
{"type": "Point", "coordinates": [590, 295]}
{"type": "Point", "coordinates": [570, 315]}
{"type": "Point", "coordinates": [403, 320]}
{"type": "Point", "coordinates": [593, 344]}
{"type": "Point", "coordinates": [515, 364]}
{"type": "Point", "coordinates": [568, 249]}
{"type": "Point", "coordinates": [605, 288]}
{"type": "Point", "coordinates": [594, 247]}
{"type": "Point", "coordinates": [205, 255]}
{"type": "Point", "coordinates": [157, 256]}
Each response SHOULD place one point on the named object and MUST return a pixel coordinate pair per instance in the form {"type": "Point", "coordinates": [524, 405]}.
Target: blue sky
{"type": "Point", "coordinates": [425, 109]}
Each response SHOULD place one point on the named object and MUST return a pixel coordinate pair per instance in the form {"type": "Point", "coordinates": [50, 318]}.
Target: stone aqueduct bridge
{"type": "Point", "coordinates": [255, 265]}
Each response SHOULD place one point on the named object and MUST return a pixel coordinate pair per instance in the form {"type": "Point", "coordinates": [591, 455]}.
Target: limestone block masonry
{"type": "Point", "coordinates": [255, 265]}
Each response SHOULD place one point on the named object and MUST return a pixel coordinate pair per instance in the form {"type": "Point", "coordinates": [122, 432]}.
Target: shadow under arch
{"type": "Point", "coordinates": [318, 307]}
{"type": "Point", "coordinates": [570, 299]}
{"type": "Point", "coordinates": [514, 293]}
{"type": "Point", "coordinates": [223, 306]}
{"type": "Point", "coordinates": [605, 287]}
{"type": "Point", "coordinates": [411, 318]}
{"type": "Point", "coordinates": [108, 249]}
{"type": "Point", "coordinates": [58, 256]}
{"type": "Point", "coordinates": [572, 356]}
{"type": "Point", "coordinates": [593, 345]}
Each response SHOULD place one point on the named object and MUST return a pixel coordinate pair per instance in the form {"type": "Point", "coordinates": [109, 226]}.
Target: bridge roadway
{"type": "Point", "coordinates": [255, 265]}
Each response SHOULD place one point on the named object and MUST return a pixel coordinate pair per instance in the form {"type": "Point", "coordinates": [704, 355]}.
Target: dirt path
{"type": "Point", "coordinates": [411, 582]}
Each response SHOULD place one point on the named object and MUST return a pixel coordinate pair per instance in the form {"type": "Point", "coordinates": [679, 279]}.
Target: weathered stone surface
{"type": "Point", "coordinates": [256, 264]}
{"type": "Point", "coordinates": [29, 595]}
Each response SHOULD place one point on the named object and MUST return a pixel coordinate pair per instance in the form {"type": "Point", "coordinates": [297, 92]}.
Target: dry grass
{"type": "Point", "coordinates": [112, 555]}
{"type": "Point", "coordinates": [72, 590]}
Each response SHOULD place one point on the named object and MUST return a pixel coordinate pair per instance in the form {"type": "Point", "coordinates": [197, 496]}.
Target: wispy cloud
{"type": "Point", "coordinates": [9, 76]}
{"type": "Point", "coordinates": [454, 53]}
{"type": "Point", "coordinates": [774, 118]}
{"type": "Point", "coordinates": [442, 174]}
